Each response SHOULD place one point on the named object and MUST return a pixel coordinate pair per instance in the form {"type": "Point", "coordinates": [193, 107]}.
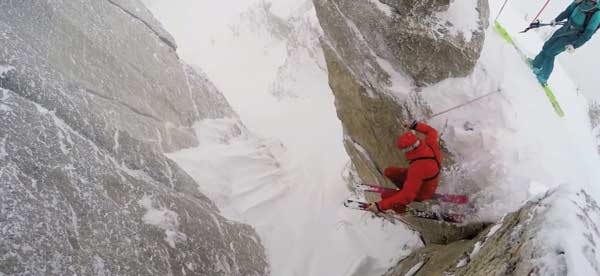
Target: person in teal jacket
{"type": "Point", "coordinates": [582, 22]}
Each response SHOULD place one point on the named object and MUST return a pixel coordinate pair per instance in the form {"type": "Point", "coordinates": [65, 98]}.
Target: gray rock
{"type": "Point", "coordinates": [417, 7]}
{"type": "Point", "coordinates": [437, 232]}
{"type": "Point", "coordinates": [92, 94]}
{"type": "Point", "coordinates": [515, 247]}
{"type": "Point", "coordinates": [594, 114]}
{"type": "Point", "coordinates": [142, 14]}
{"type": "Point", "coordinates": [412, 37]}
{"type": "Point", "coordinates": [366, 41]}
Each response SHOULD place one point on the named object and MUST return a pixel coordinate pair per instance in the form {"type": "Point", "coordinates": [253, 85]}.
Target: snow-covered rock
{"type": "Point", "coordinates": [535, 240]}
{"type": "Point", "coordinates": [377, 54]}
{"type": "Point", "coordinates": [92, 94]}
{"type": "Point", "coordinates": [427, 41]}
{"type": "Point", "coordinates": [505, 149]}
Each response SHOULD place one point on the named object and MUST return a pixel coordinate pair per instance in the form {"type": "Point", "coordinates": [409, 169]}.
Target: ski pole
{"type": "Point", "coordinates": [501, 10]}
{"type": "Point", "coordinates": [540, 12]}
{"type": "Point", "coordinates": [464, 104]}
{"type": "Point", "coordinates": [537, 24]}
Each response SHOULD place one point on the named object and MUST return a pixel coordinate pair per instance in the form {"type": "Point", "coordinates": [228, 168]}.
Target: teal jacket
{"type": "Point", "coordinates": [575, 13]}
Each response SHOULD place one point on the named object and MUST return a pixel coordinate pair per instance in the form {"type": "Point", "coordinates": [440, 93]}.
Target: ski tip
{"type": "Point", "coordinates": [553, 100]}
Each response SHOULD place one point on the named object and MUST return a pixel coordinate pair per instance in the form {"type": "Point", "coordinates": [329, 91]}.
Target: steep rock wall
{"type": "Point", "coordinates": [92, 94]}
{"type": "Point", "coordinates": [378, 54]}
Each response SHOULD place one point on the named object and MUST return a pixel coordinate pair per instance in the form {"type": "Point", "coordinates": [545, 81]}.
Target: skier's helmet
{"type": "Point", "coordinates": [407, 142]}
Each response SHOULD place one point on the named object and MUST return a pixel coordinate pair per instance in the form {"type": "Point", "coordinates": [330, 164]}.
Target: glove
{"type": "Point", "coordinates": [409, 124]}
{"type": "Point", "coordinates": [553, 22]}
{"type": "Point", "coordinates": [373, 207]}
{"type": "Point", "coordinates": [570, 49]}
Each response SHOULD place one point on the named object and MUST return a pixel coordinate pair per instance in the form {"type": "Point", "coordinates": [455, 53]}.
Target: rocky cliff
{"type": "Point", "coordinates": [92, 94]}
{"type": "Point", "coordinates": [379, 54]}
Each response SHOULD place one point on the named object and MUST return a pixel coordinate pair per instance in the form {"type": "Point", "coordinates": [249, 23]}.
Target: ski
{"type": "Point", "coordinates": [450, 198]}
{"type": "Point", "coordinates": [447, 217]}
{"type": "Point", "coordinates": [504, 34]}
{"type": "Point", "coordinates": [362, 206]}
{"type": "Point", "coordinates": [355, 204]}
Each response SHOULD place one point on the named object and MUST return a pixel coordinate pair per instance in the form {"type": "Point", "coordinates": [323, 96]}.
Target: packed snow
{"type": "Point", "coordinates": [494, 229]}
{"type": "Point", "coordinates": [462, 17]}
{"type": "Point", "coordinates": [3, 153]}
{"type": "Point", "coordinates": [385, 9]}
{"type": "Point", "coordinates": [579, 65]}
{"type": "Point", "coordinates": [5, 69]}
{"type": "Point", "coordinates": [413, 270]}
{"type": "Point", "coordinates": [462, 262]}
{"type": "Point", "coordinates": [516, 147]}
{"type": "Point", "coordinates": [164, 219]}
{"type": "Point", "coordinates": [281, 170]}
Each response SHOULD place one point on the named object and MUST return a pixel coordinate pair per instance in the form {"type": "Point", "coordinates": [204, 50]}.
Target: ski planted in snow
{"type": "Point", "coordinates": [447, 217]}
{"type": "Point", "coordinates": [449, 198]}
{"type": "Point", "coordinates": [504, 34]}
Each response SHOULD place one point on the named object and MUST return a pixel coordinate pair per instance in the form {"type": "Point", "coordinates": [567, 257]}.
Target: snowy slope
{"type": "Point", "coordinates": [580, 64]}
{"type": "Point", "coordinates": [295, 208]}
{"type": "Point", "coordinates": [512, 145]}
{"type": "Point", "coordinates": [516, 147]}
{"type": "Point", "coordinates": [289, 186]}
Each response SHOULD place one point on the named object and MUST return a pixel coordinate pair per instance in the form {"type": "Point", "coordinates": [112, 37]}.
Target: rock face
{"type": "Point", "coordinates": [378, 54]}
{"type": "Point", "coordinates": [517, 245]}
{"type": "Point", "coordinates": [594, 113]}
{"type": "Point", "coordinates": [425, 40]}
{"type": "Point", "coordinates": [92, 94]}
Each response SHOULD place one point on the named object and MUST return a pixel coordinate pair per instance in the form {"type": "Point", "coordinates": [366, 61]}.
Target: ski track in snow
{"type": "Point", "coordinates": [291, 191]}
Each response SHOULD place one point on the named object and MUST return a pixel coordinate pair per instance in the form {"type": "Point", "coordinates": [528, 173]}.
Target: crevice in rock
{"type": "Point", "coordinates": [162, 38]}
{"type": "Point", "coordinates": [114, 101]}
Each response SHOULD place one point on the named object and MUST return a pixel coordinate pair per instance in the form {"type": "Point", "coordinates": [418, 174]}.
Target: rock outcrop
{"type": "Point", "coordinates": [92, 94]}
{"type": "Point", "coordinates": [517, 245]}
{"type": "Point", "coordinates": [422, 39]}
{"type": "Point", "coordinates": [378, 54]}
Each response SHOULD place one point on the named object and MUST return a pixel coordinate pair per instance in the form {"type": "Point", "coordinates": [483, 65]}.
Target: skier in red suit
{"type": "Point", "coordinates": [419, 181]}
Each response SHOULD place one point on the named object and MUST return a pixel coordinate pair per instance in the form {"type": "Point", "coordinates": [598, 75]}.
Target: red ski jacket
{"type": "Point", "coordinates": [421, 178]}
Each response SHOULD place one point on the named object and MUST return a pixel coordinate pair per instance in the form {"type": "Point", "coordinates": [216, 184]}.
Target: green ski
{"type": "Point", "coordinates": [504, 34]}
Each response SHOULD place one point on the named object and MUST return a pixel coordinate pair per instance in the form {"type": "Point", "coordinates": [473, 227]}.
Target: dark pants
{"type": "Point", "coordinates": [543, 63]}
